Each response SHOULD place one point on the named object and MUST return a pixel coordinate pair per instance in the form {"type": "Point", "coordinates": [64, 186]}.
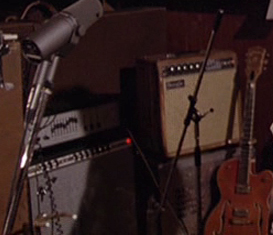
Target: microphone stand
{"type": "Point", "coordinates": [196, 118]}
{"type": "Point", "coordinates": [192, 111]}
{"type": "Point", "coordinates": [37, 100]}
{"type": "Point", "coordinates": [197, 160]}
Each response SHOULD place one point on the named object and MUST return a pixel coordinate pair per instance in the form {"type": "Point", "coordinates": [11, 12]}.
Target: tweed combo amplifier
{"type": "Point", "coordinates": [164, 84]}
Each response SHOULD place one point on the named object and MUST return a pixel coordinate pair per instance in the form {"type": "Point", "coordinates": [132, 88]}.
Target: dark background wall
{"type": "Point", "coordinates": [230, 6]}
{"type": "Point", "coordinates": [185, 27]}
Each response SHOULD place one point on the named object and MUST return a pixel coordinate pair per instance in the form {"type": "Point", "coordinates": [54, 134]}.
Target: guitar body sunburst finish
{"type": "Point", "coordinates": [240, 213]}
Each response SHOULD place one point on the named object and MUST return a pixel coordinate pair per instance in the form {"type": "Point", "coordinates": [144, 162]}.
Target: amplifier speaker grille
{"type": "Point", "coordinates": [163, 87]}
{"type": "Point", "coordinates": [99, 190]}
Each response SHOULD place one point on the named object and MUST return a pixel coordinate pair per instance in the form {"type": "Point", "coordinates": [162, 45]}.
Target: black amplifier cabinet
{"type": "Point", "coordinates": [87, 191]}
{"type": "Point", "coordinates": [193, 192]}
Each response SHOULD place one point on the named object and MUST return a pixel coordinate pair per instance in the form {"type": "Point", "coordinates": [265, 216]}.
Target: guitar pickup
{"type": "Point", "coordinates": [241, 213]}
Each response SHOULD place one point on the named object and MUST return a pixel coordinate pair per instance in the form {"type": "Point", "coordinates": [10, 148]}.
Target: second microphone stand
{"type": "Point", "coordinates": [192, 111]}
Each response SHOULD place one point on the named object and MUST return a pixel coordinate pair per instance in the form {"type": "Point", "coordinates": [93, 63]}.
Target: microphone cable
{"type": "Point", "coordinates": [179, 221]}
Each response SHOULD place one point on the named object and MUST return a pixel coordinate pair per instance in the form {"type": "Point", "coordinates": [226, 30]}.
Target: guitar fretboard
{"type": "Point", "coordinates": [254, 66]}
{"type": "Point", "coordinates": [246, 141]}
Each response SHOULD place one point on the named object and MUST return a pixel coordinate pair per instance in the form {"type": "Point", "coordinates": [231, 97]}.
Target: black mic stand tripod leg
{"type": "Point", "coordinates": [196, 118]}
{"type": "Point", "coordinates": [197, 162]}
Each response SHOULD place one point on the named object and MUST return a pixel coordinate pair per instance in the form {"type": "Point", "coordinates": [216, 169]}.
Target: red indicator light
{"type": "Point", "coordinates": [128, 141]}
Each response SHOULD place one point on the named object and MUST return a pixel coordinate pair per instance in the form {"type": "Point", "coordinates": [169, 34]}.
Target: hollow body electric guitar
{"type": "Point", "coordinates": [244, 203]}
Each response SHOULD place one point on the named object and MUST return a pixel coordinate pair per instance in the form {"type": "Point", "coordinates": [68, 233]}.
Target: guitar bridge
{"type": "Point", "coordinates": [240, 222]}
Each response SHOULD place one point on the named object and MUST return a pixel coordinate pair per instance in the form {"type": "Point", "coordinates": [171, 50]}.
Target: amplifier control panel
{"type": "Point", "coordinates": [78, 156]}
{"type": "Point", "coordinates": [75, 124]}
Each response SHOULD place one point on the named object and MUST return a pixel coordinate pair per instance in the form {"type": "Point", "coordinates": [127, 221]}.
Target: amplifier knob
{"type": "Point", "coordinates": [197, 66]}
{"type": "Point", "coordinates": [179, 68]}
{"type": "Point", "coordinates": [185, 67]}
{"type": "Point", "coordinates": [172, 69]}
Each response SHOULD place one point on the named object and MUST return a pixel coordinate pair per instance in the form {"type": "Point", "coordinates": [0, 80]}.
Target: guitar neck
{"type": "Point", "coordinates": [247, 138]}
{"type": "Point", "coordinates": [254, 66]}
